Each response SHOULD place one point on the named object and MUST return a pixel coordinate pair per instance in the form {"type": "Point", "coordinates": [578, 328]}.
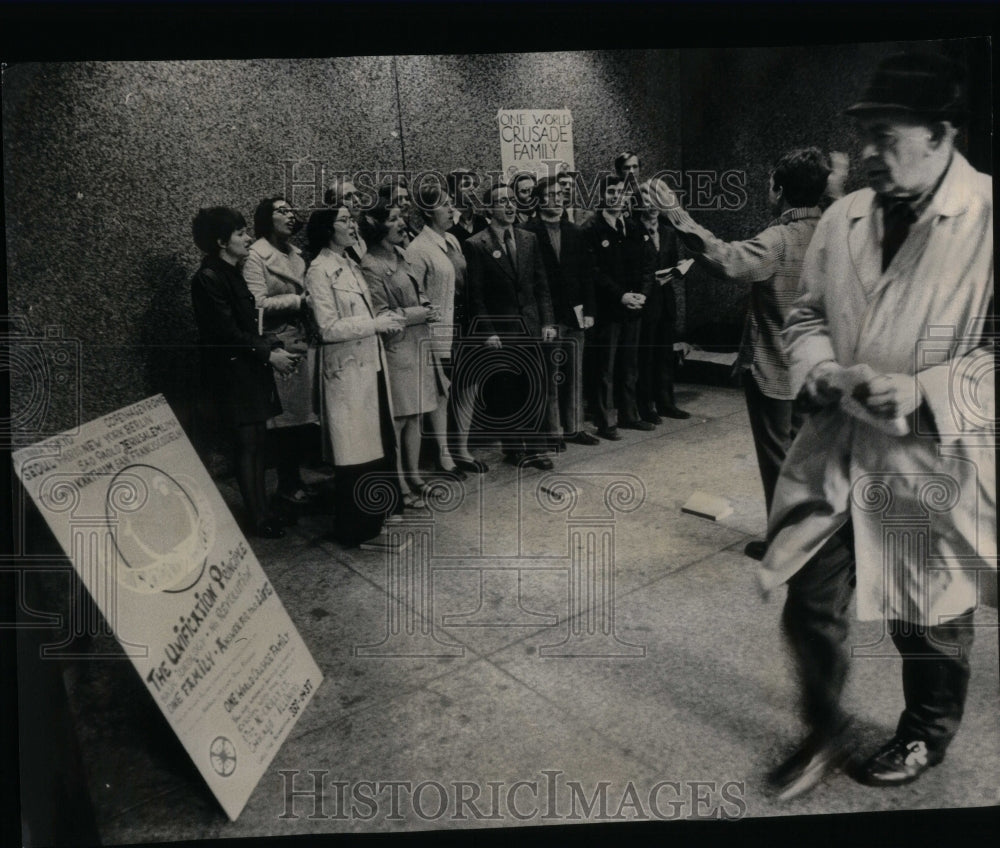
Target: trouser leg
{"type": "Point", "coordinates": [628, 371]}
{"type": "Point", "coordinates": [571, 390]}
{"type": "Point", "coordinates": [606, 411]}
{"type": "Point", "coordinates": [815, 624]}
{"type": "Point", "coordinates": [773, 425]}
{"type": "Point", "coordinates": [935, 678]}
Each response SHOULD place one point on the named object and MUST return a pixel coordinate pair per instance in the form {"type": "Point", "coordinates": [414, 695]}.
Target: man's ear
{"type": "Point", "coordinates": [940, 131]}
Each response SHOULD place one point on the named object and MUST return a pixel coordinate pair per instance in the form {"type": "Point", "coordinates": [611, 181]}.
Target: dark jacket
{"type": "Point", "coordinates": [500, 301]}
{"type": "Point", "coordinates": [571, 275]}
{"type": "Point", "coordinates": [622, 265]}
{"type": "Point", "coordinates": [235, 358]}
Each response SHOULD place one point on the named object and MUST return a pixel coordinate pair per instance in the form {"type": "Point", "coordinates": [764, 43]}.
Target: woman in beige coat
{"type": "Point", "coordinates": [275, 274]}
{"type": "Point", "coordinates": [416, 380]}
{"type": "Point", "coordinates": [354, 384]}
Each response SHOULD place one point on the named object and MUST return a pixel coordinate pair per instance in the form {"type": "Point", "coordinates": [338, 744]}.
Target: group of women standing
{"type": "Point", "coordinates": [270, 323]}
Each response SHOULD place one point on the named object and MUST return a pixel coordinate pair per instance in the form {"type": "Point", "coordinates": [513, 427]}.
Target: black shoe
{"type": "Point", "coordinates": [455, 472]}
{"type": "Point", "coordinates": [812, 761]}
{"type": "Point", "coordinates": [269, 530]}
{"type": "Point", "coordinates": [473, 466]}
{"type": "Point", "coordinates": [898, 762]}
{"type": "Point", "coordinates": [638, 424]}
{"type": "Point", "coordinates": [539, 461]}
{"type": "Point", "coordinates": [671, 411]}
{"type": "Point", "coordinates": [652, 418]}
{"type": "Point", "coordinates": [610, 433]}
{"type": "Point", "coordinates": [755, 549]}
{"type": "Point", "coordinates": [583, 438]}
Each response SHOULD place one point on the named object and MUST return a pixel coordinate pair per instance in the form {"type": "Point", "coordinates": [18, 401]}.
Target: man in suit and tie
{"type": "Point", "coordinates": [569, 268]}
{"type": "Point", "coordinates": [510, 308]}
{"type": "Point", "coordinates": [624, 264]}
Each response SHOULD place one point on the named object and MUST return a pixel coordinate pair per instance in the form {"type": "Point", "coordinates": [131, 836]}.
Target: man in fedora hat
{"type": "Point", "coordinates": [890, 484]}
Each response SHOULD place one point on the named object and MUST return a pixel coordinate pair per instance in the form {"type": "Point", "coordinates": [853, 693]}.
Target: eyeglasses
{"type": "Point", "coordinates": [284, 210]}
{"type": "Point", "coordinates": [346, 220]}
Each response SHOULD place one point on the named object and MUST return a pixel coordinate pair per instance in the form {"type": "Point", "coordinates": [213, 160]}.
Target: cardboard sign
{"type": "Point", "coordinates": [538, 141]}
{"type": "Point", "coordinates": [155, 544]}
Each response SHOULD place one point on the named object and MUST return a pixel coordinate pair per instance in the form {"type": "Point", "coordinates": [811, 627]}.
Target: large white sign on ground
{"type": "Point", "coordinates": [154, 543]}
{"type": "Point", "coordinates": [538, 141]}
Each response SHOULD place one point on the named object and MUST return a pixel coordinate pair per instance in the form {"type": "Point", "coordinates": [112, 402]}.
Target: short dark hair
{"type": "Point", "coordinates": [319, 228]}
{"type": "Point", "coordinates": [801, 174]}
{"type": "Point", "coordinates": [491, 189]}
{"type": "Point", "coordinates": [454, 177]}
{"type": "Point", "coordinates": [263, 216]}
{"type": "Point", "coordinates": [604, 183]}
{"type": "Point", "coordinates": [214, 224]}
{"type": "Point", "coordinates": [622, 158]}
{"type": "Point", "coordinates": [429, 198]}
{"type": "Point", "coordinates": [518, 177]}
{"type": "Point", "coordinates": [542, 187]}
{"type": "Point", "coordinates": [373, 221]}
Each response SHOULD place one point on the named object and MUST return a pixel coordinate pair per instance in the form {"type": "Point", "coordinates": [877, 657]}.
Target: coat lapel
{"type": "Point", "coordinates": [503, 260]}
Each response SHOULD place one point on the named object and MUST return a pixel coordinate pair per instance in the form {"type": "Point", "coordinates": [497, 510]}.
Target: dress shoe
{"type": "Point", "coordinates": [898, 762]}
{"type": "Point", "coordinates": [583, 438]}
{"type": "Point", "coordinates": [270, 529]}
{"type": "Point", "coordinates": [473, 466]}
{"type": "Point", "coordinates": [610, 433]}
{"type": "Point", "coordinates": [814, 759]}
{"type": "Point", "coordinates": [755, 549]}
{"type": "Point", "coordinates": [539, 461]}
{"type": "Point", "coordinates": [638, 424]}
{"type": "Point", "coordinates": [455, 472]}
{"type": "Point", "coordinates": [652, 418]}
{"type": "Point", "coordinates": [672, 411]}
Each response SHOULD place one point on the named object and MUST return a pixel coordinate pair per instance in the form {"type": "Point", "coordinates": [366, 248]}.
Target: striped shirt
{"type": "Point", "coordinates": [772, 262]}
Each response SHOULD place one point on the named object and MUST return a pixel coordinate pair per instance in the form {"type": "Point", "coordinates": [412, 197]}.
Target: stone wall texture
{"type": "Point", "coordinates": [105, 164]}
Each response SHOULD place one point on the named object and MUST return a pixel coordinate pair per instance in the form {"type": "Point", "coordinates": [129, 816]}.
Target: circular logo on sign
{"type": "Point", "coordinates": [163, 528]}
{"type": "Point", "coordinates": [222, 755]}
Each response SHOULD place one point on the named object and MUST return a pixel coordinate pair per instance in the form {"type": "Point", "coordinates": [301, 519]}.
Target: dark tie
{"type": "Point", "coordinates": [621, 228]}
{"type": "Point", "coordinates": [508, 240]}
{"type": "Point", "coordinates": [897, 216]}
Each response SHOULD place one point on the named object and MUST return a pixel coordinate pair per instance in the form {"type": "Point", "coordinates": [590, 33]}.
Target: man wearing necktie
{"type": "Point", "coordinates": [890, 485]}
{"type": "Point", "coordinates": [623, 280]}
{"type": "Point", "coordinates": [510, 313]}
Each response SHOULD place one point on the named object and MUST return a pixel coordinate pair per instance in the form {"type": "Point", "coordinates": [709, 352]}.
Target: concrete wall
{"type": "Point", "coordinates": [106, 163]}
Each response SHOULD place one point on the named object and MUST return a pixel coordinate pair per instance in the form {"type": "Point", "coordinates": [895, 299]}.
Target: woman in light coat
{"type": "Point", "coordinates": [275, 274]}
{"type": "Point", "coordinates": [355, 406]}
{"type": "Point", "coordinates": [416, 380]}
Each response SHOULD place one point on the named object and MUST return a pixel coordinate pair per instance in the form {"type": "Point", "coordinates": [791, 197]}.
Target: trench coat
{"type": "Point", "coordinates": [275, 279]}
{"type": "Point", "coordinates": [415, 375]}
{"type": "Point", "coordinates": [922, 504]}
{"type": "Point", "coordinates": [351, 358]}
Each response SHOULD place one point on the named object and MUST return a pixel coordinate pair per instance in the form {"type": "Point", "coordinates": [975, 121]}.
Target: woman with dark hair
{"type": "Point", "coordinates": [436, 258]}
{"type": "Point", "coordinates": [416, 386]}
{"type": "Point", "coordinates": [354, 381]}
{"type": "Point", "coordinates": [275, 274]}
{"type": "Point", "coordinates": [237, 360]}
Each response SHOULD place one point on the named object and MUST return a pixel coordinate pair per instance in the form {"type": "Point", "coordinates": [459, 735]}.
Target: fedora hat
{"type": "Point", "coordinates": [924, 84]}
